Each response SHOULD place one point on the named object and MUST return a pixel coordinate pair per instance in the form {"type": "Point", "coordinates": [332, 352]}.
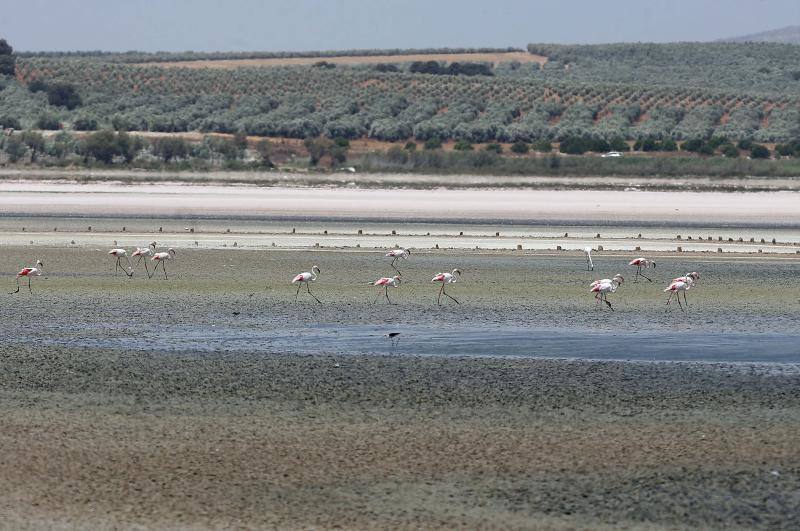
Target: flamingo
{"type": "Point", "coordinates": [601, 289]}
{"type": "Point", "coordinates": [589, 263]}
{"type": "Point", "coordinates": [386, 282]}
{"type": "Point", "coordinates": [29, 272]}
{"type": "Point", "coordinates": [144, 252]}
{"type": "Point", "coordinates": [446, 278]}
{"type": "Point", "coordinates": [641, 263]}
{"type": "Point", "coordinates": [689, 278]}
{"type": "Point", "coordinates": [120, 254]}
{"type": "Point", "coordinates": [306, 278]}
{"type": "Point", "coordinates": [675, 288]}
{"type": "Point", "coordinates": [160, 258]}
{"type": "Point", "coordinates": [395, 255]}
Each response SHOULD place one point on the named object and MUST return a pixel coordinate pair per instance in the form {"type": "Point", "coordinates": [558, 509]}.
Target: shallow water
{"type": "Point", "coordinates": [461, 341]}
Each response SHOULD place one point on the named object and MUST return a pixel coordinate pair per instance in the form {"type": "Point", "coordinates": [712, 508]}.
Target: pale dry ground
{"type": "Point", "coordinates": [602, 206]}
{"type": "Point", "coordinates": [495, 58]}
{"type": "Point", "coordinates": [403, 180]}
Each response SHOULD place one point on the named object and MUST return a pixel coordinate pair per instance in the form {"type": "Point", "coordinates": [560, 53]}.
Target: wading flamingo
{"type": "Point", "coordinates": [601, 289]}
{"type": "Point", "coordinates": [589, 263]}
{"type": "Point", "coordinates": [120, 254]}
{"type": "Point", "coordinates": [676, 287]}
{"type": "Point", "coordinates": [689, 278]}
{"type": "Point", "coordinates": [386, 282]}
{"type": "Point", "coordinates": [395, 255]}
{"type": "Point", "coordinates": [29, 272]}
{"type": "Point", "coordinates": [160, 258]}
{"type": "Point", "coordinates": [642, 263]}
{"type": "Point", "coordinates": [144, 252]}
{"type": "Point", "coordinates": [446, 278]}
{"type": "Point", "coordinates": [306, 278]}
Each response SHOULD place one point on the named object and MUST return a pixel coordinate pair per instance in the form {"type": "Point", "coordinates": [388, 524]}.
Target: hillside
{"type": "Point", "coordinates": [621, 91]}
{"type": "Point", "coordinates": [787, 35]}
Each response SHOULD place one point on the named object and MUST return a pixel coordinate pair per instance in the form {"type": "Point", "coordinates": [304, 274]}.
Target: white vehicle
{"type": "Point", "coordinates": [611, 154]}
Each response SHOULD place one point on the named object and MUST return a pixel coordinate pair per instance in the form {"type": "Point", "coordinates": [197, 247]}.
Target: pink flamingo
{"type": "Point", "coordinates": [386, 282]}
{"type": "Point", "coordinates": [589, 263]}
{"type": "Point", "coordinates": [675, 288]}
{"type": "Point", "coordinates": [446, 278]}
{"type": "Point", "coordinates": [601, 289]}
{"type": "Point", "coordinates": [642, 263]}
{"type": "Point", "coordinates": [689, 278]}
{"type": "Point", "coordinates": [144, 252]}
{"type": "Point", "coordinates": [306, 278]}
{"type": "Point", "coordinates": [120, 254]}
{"type": "Point", "coordinates": [395, 255]}
{"type": "Point", "coordinates": [161, 258]}
{"type": "Point", "coordinates": [29, 272]}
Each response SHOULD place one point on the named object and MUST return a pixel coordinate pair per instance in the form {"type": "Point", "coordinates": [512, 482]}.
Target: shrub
{"type": "Point", "coordinates": [494, 148]}
{"type": "Point", "coordinates": [48, 122]}
{"type": "Point", "coordinates": [729, 150]}
{"type": "Point", "coordinates": [520, 147]}
{"type": "Point", "coordinates": [410, 146]}
{"type": "Point", "coordinates": [759, 152]}
{"type": "Point", "coordinates": [462, 145]}
{"type": "Point", "coordinates": [433, 143]}
{"type": "Point", "coordinates": [85, 124]}
{"type": "Point", "coordinates": [9, 121]}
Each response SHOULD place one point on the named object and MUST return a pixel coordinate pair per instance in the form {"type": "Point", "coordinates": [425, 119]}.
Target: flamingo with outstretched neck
{"type": "Point", "coordinates": [119, 254]}
{"type": "Point", "coordinates": [642, 263]}
{"type": "Point", "coordinates": [446, 278]}
{"type": "Point", "coordinates": [397, 254]}
{"type": "Point", "coordinates": [386, 282]}
{"type": "Point", "coordinates": [589, 263]}
{"type": "Point", "coordinates": [306, 278]}
{"type": "Point", "coordinates": [601, 289]}
{"type": "Point", "coordinates": [144, 253]}
{"type": "Point", "coordinates": [161, 258]}
{"type": "Point", "coordinates": [29, 272]}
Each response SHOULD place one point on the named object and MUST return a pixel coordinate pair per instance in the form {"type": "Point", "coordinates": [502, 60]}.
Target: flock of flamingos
{"type": "Point", "coordinates": [601, 288]}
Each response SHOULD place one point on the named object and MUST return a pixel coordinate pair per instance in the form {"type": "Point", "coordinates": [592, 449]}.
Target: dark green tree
{"type": "Point", "coordinates": [34, 141]}
{"type": "Point", "coordinates": [759, 152]}
{"type": "Point", "coordinates": [520, 148]}
{"type": "Point", "coordinates": [433, 143]}
{"type": "Point", "coordinates": [462, 145]}
{"type": "Point", "coordinates": [170, 148]}
{"type": "Point", "coordinates": [7, 59]}
{"type": "Point", "coordinates": [15, 148]}
{"type": "Point", "coordinates": [101, 146]}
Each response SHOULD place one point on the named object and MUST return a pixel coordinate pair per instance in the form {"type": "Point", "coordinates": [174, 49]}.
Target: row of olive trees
{"type": "Point", "coordinates": [110, 147]}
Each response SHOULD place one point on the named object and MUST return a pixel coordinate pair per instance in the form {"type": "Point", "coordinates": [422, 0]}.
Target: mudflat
{"type": "Point", "coordinates": [212, 399]}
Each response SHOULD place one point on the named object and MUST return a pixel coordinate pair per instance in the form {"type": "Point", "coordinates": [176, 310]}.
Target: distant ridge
{"type": "Point", "coordinates": [787, 35]}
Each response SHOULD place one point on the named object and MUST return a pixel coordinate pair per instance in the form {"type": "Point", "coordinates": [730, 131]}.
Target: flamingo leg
{"type": "Point", "coordinates": [643, 275]}
{"type": "Point", "coordinates": [149, 274]}
{"type": "Point", "coordinates": [297, 292]}
{"type": "Point", "coordinates": [395, 267]}
{"type": "Point", "coordinates": [164, 267]}
{"type": "Point", "coordinates": [377, 297]}
{"type": "Point", "coordinates": [605, 299]}
{"type": "Point", "coordinates": [670, 297]}
{"type": "Point", "coordinates": [308, 288]}
{"type": "Point", "coordinates": [116, 267]}
{"type": "Point", "coordinates": [638, 272]}
{"type": "Point", "coordinates": [386, 291]}
{"type": "Point", "coordinates": [145, 268]}
{"type": "Point", "coordinates": [29, 285]}
{"type": "Point", "coordinates": [449, 296]}
{"type": "Point", "coordinates": [684, 299]}
{"type": "Point", "coordinates": [13, 292]}
{"type": "Point", "coordinates": [597, 298]}
{"type": "Point", "coordinates": [679, 302]}
{"type": "Point", "coordinates": [439, 300]}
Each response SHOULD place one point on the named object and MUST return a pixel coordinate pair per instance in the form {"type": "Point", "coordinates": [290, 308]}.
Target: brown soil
{"type": "Point", "coordinates": [495, 58]}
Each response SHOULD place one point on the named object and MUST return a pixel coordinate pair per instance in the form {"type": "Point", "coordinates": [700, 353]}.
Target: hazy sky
{"type": "Point", "coordinates": [207, 25]}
